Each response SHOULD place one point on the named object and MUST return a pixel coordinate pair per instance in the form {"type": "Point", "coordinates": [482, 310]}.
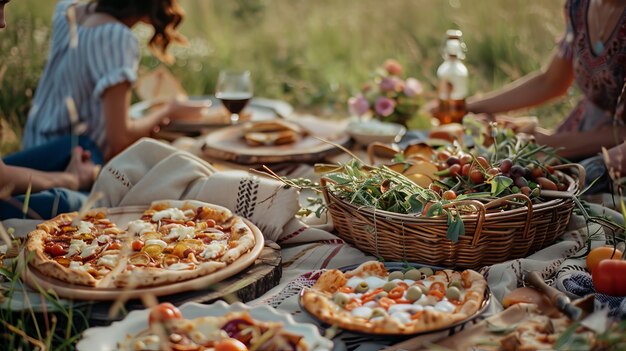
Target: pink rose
{"type": "Point", "coordinates": [393, 67]}
{"type": "Point", "coordinates": [358, 105]}
{"type": "Point", "coordinates": [387, 84]}
{"type": "Point", "coordinates": [384, 106]}
{"type": "Point", "coordinates": [413, 87]}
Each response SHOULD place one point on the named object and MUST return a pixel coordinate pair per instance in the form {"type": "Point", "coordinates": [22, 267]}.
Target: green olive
{"type": "Point", "coordinates": [455, 283]}
{"type": "Point", "coordinates": [378, 312]}
{"type": "Point", "coordinates": [362, 287]}
{"type": "Point", "coordinates": [341, 299]}
{"type": "Point", "coordinates": [396, 275]}
{"type": "Point", "coordinates": [389, 285]}
{"type": "Point", "coordinates": [413, 274]}
{"type": "Point", "coordinates": [427, 271]}
{"type": "Point", "coordinates": [453, 293]}
{"type": "Point", "coordinates": [414, 293]}
{"type": "Point", "coordinates": [424, 289]}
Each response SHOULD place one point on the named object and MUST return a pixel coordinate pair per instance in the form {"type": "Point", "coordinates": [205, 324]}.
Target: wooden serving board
{"type": "Point", "coordinates": [35, 278]}
{"type": "Point", "coordinates": [227, 144]}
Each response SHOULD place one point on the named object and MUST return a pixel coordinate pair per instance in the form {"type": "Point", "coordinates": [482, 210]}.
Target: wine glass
{"type": "Point", "coordinates": [234, 89]}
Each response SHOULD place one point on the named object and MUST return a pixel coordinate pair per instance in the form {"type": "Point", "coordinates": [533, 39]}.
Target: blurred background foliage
{"type": "Point", "coordinates": [311, 53]}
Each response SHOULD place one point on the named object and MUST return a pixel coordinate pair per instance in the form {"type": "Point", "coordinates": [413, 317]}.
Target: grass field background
{"type": "Point", "coordinates": [312, 53]}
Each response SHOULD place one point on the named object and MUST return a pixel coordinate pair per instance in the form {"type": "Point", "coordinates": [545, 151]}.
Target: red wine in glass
{"type": "Point", "coordinates": [234, 89]}
{"type": "Point", "coordinates": [234, 102]}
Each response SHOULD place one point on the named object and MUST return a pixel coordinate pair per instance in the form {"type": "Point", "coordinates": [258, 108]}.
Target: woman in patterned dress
{"type": "Point", "coordinates": [592, 52]}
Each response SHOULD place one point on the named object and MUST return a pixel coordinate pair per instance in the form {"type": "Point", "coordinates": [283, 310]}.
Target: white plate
{"type": "Point", "coordinates": [107, 338]}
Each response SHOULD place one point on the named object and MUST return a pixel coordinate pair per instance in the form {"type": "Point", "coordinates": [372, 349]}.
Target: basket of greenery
{"type": "Point", "coordinates": [475, 210]}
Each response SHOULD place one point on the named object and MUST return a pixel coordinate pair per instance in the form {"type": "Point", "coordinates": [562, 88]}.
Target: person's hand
{"type": "Point", "coordinates": [183, 109]}
{"type": "Point", "coordinates": [82, 167]}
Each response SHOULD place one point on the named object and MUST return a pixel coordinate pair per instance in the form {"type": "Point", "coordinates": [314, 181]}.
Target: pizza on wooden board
{"type": "Point", "coordinates": [234, 331]}
{"type": "Point", "coordinates": [370, 299]}
{"type": "Point", "coordinates": [171, 241]}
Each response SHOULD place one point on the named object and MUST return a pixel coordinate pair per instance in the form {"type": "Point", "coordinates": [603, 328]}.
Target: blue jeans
{"type": "Point", "coordinates": [50, 157]}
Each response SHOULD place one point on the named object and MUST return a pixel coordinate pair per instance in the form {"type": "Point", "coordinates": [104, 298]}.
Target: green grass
{"type": "Point", "coordinates": [314, 54]}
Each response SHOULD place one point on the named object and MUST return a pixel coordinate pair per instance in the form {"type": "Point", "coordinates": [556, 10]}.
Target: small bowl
{"type": "Point", "coordinates": [367, 132]}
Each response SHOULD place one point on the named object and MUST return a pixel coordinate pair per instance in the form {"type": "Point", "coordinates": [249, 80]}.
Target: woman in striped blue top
{"type": "Point", "coordinates": [93, 61]}
{"type": "Point", "coordinates": [85, 91]}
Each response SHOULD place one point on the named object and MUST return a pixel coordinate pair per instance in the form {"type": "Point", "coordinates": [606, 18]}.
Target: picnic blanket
{"type": "Point", "coordinates": [150, 170]}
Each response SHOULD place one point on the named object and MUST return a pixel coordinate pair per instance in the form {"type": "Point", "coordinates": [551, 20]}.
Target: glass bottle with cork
{"type": "Point", "coordinates": [453, 80]}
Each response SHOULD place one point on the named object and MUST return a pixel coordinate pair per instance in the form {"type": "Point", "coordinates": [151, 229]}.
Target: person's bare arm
{"type": "Point", "coordinates": [18, 178]}
{"type": "Point", "coordinates": [530, 90]}
{"type": "Point", "coordinates": [122, 131]}
{"type": "Point", "coordinates": [79, 175]}
{"type": "Point", "coordinates": [576, 145]}
{"type": "Point", "coordinates": [617, 159]}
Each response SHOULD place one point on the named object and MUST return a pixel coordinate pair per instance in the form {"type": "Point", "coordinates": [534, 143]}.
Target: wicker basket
{"type": "Point", "coordinates": [492, 235]}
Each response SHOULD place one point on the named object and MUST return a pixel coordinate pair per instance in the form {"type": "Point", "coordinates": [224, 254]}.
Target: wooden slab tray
{"type": "Point", "coordinates": [227, 144]}
{"type": "Point", "coordinates": [36, 279]}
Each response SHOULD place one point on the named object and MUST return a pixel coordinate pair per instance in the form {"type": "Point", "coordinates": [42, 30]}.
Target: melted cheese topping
{"type": "Point", "coordinates": [78, 266]}
{"type": "Point", "coordinates": [402, 317]}
{"type": "Point", "coordinates": [84, 227]}
{"type": "Point", "coordinates": [213, 250]}
{"type": "Point", "coordinates": [108, 261]}
{"type": "Point", "coordinates": [372, 282]}
{"type": "Point", "coordinates": [76, 246]}
{"type": "Point", "coordinates": [172, 213]}
{"type": "Point", "coordinates": [103, 239]}
{"type": "Point", "coordinates": [182, 232]}
{"type": "Point", "coordinates": [445, 306]}
{"type": "Point", "coordinates": [139, 227]}
{"type": "Point", "coordinates": [89, 250]}
{"type": "Point", "coordinates": [362, 312]}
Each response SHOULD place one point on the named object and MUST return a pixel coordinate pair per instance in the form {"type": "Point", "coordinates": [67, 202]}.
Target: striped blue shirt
{"type": "Point", "coordinates": [106, 55]}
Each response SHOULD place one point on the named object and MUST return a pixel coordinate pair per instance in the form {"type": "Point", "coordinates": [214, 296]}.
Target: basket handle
{"type": "Point", "coordinates": [323, 182]}
{"type": "Point", "coordinates": [529, 204]}
{"type": "Point", "coordinates": [380, 147]}
{"type": "Point", "coordinates": [482, 211]}
{"type": "Point", "coordinates": [581, 172]}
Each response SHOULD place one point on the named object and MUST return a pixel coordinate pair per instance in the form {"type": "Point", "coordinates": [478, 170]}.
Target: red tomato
{"type": "Point", "coordinates": [609, 277]}
{"type": "Point", "coordinates": [55, 250]}
{"type": "Point", "coordinates": [137, 245]}
{"type": "Point", "coordinates": [164, 312]}
{"type": "Point", "coordinates": [230, 345]}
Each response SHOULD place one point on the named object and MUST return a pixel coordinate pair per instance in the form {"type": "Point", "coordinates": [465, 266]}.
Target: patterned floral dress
{"type": "Point", "coordinates": [600, 75]}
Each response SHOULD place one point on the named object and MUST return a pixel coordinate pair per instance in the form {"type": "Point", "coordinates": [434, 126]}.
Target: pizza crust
{"type": "Point", "coordinates": [150, 276]}
{"type": "Point", "coordinates": [47, 266]}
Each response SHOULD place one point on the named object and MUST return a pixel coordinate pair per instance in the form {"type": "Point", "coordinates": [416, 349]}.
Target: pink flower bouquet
{"type": "Point", "coordinates": [389, 97]}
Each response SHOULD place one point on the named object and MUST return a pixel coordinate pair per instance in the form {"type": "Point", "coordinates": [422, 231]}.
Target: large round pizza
{"type": "Point", "coordinates": [370, 299]}
{"type": "Point", "coordinates": [170, 242]}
